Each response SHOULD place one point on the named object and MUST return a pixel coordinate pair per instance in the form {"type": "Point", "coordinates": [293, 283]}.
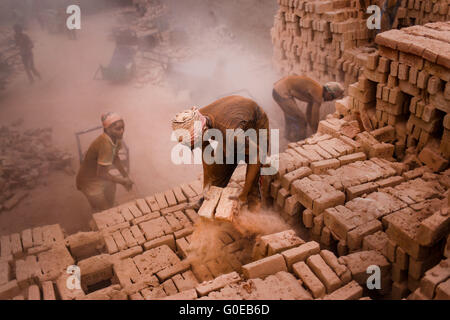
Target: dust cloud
{"type": "Point", "coordinates": [223, 48]}
{"type": "Point", "coordinates": [206, 244]}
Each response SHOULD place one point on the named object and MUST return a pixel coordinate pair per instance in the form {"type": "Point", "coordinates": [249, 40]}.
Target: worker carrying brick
{"type": "Point", "coordinates": [303, 88]}
{"type": "Point", "coordinates": [93, 178]}
{"type": "Point", "coordinates": [229, 113]}
{"type": "Point", "coordinates": [25, 45]}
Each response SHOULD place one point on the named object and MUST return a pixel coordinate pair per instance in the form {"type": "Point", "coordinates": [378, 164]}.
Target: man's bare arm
{"type": "Point", "coordinates": [103, 173]}
{"type": "Point", "coordinates": [119, 165]}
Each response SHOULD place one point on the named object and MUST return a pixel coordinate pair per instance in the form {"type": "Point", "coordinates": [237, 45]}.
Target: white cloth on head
{"type": "Point", "coordinates": [109, 118]}
{"type": "Point", "coordinates": [187, 120]}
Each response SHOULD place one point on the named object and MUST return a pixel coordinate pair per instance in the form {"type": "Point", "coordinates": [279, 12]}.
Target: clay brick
{"type": "Point", "coordinates": [155, 259]}
{"type": "Point", "coordinates": [170, 198]}
{"type": "Point", "coordinates": [443, 291]}
{"type": "Point", "coordinates": [355, 236]}
{"type": "Point", "coordinates": [182, 246]}
{"type": "Point", "coordinates": [390, 182]}
{"type": "Point", "coordinates": [95, 269]}
{"type": "Point", "coordinates": [6, 249]}
{"type": "Point", "coordinates": [185, 281]}
{"type": "Point", "coordinates": [111, 245]}
{"type": "Point", "coordinates": [294, 175]}
{"type": "Point", "coordinates": [356, 191]}
{"type": "Point", "coordinates": [151, 201]}
{"type": "Point", "coordinates": [48, 291]}
{"type": "Point", "coordinates": [399, 290]}
{"type": "Point", "coordinates": [120, 241]}
{"type": "Point", "coordinates": [434, 228]}
{"type": "Point", "coordinates": [143, 206]}
{"type": "Point", "coordinates": [27, 239]}
{"type": "Point", "coordinates": [169, 287]}
{"type": "Point", "coordinates": [173, 270]}
{"type": "Point", "coordinates": [192, 215]}
{"type": "Point", "coordinates": [135, 211]}
{"type": "Point", "coordinates": [281, 197]}
{"type": "Point", "coordinates": [5, 272]}
{"type": "Point", "coordinates": [307, 218]}
{"type": "Point", "coordinates": [168, 240]}
{"type": "Point", "coordinates": [434, 277]}
{"type": "Point", "coordinates": [264, 267]}
{"type": "Point", "coordinates": [417, 268]}
{"type": "Point", "coordinates": [179, 195]}
{"type": "Point", "coordinates": [433, 159]}
{"type": "Point", "coordinates": [213, 285]}
{"type": "Point", "coordinates": [351, 291]}
{"type": "Point", "coordinates": [292, 205]}
{"type": "Point", "coordinates": [183, 232]}
{"type": "Point", "coordinates": [137, 234]}
{"type": "Point", "coordinates": [184, 295]}
{"type": "Point", "coordinates": [341, 271]}
{"type": "Point", "coordinates": [155, 228]}
{"type": "Point", "coordinates": [201, 272]}
{"type": "Point", "coordinates": [358, 263]}
{"type": "Point", "coordinates": [320, 167]}
{"type": "Point", "coordinates": [9, 290]}
{"type": "Point", "coordinates": [277, 242]}
{"type": "Point", "coordinates": [84, 244]}
{"type": "Point", "coordinates": [360, 156]}
{"type": "Point", "coordinates": [161, 200]}
{"type": "Point", "coordinates": [208, 207]}
{"type": "Point", "coordinates": [317, 224]}
{"type": "Point", "coordinates": [309, 279]}
{"type": "Point", "coordinates": [324, 273]}
{"type": "Point", "coordinates": [34, 293]}
{"type": "Point", "coordinates": [401, 258]}
{"type": "Point", "coordinates": [188, 191]}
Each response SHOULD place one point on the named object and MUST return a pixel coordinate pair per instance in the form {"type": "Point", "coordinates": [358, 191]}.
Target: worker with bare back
{"type": "Point", "coordinates": [305, 89]}
{"type": "Point", "coordinates": [229, 113]}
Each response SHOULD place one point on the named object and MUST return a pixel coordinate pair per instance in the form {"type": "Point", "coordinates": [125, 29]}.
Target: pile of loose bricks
{"type": "Point", "coordinates": [322, 39]}
{"type": "Point", "coordinates": [404, 93]}
{"type": "Point", "coordinates": [330, 40]}
{"type": "Point", "coordinates": [369, 212]}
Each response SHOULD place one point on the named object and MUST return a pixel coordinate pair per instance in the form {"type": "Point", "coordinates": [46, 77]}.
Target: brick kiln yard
{"type": "Point", "coordinates": [371, 187]}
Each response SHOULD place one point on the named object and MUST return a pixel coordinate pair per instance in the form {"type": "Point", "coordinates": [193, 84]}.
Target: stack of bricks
{"type": "Point", "coordinates": [330, 40]}
{"type": "Point", "coordinates": [405, 86]}
{"type": "Point", "coordinates": [322, 39]}
{"type": "Point", "coordinates": [407, 223]}
{"type": "Point", "coordinates": [290, 268]}
{"type": "Point", "coordinates": [338, 151]}
{"type": "Point", "coordinates": [411, 12]}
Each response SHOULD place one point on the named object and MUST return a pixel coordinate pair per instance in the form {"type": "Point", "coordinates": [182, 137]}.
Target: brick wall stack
{"type": "Point", "coordinates": [405, 86]}
{"type": "Point", "coordinates": [330, 41]}
{"type": "Point", "coordinates": [411, 12]}
{"type": "Point", "coordinates": [320, 39]}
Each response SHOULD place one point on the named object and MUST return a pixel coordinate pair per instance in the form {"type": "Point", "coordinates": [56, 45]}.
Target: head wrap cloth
{"type": "Point", "coordinates": [187, 120]}
{"type": "Point", "coordinates": [334, 88]}
{"type": "Point", "coordinates": [109, 118]}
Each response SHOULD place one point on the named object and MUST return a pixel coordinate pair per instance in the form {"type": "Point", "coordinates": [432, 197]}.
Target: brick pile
{"type": "Point", "coordinates": [411, 12]}
{"type": "Point", "coordinates": [322, 39]}
{"type": "Point", "coordinates": [26, 158]}
{"type": "Point", "coordinates": [351, 194]}
{"type": "Point", "coordinates": [404, 92]}
{"type": "Point", "coordinates": [330, 41]}
{"type": "Point", "coordinates": [138, 250]}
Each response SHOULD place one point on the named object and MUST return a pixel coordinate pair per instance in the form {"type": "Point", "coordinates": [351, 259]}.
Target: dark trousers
{"type": "Point", "coordinates": [30, 69]}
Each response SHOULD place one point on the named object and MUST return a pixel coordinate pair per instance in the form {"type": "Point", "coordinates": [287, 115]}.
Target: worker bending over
{"type": "Point", "coordinates": [303, 88]}
{"type": "Point", "coordinates": [93, 178]}
{"type": "Point", "coordinates": [233, 112]}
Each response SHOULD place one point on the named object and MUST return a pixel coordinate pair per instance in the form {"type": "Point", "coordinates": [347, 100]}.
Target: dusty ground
{"type": "Point", "coordinates": [69, 100]}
